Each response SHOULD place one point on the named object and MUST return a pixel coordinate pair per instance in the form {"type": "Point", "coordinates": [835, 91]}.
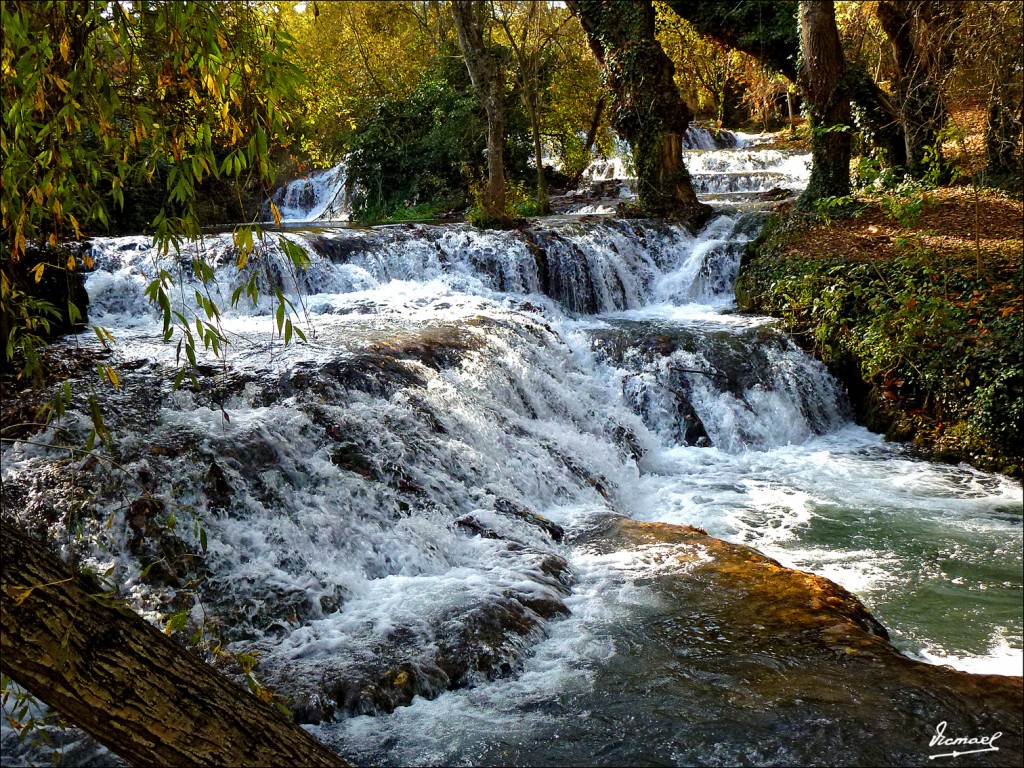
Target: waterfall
{"type": "Point", "coordinates": [396, 513]}
{"type": "Point", "coordinates": [320, 196]}
{"type": "Point", "coordinates": [726, 168]}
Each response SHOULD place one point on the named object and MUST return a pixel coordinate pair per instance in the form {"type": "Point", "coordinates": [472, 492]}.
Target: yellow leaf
{"type": "Point", "coordinates": [71, 263]}
{"type": "Point", "coordinates": [38, 271]}
{"type": "Point", "coordinates": [277, 214]}
{"type": "Point", "coordinates": [112, 376]}
{"type": "Point", "coordinates": [22, 593]}
{"type": "Point", "coordinates": [402, 678]}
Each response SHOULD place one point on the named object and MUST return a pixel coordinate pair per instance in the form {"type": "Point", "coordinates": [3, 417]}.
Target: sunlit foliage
{"type": "Point", "coordinates": [102, 95]}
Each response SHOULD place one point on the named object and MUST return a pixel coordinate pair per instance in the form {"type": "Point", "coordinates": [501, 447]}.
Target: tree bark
{"type": "Point", "coordinates": [588, 145]}
{"type": "Point", "coordinates": [880, 117]}
{"type": "Point", "coordinates": [821, 80]}
{"type": "Point", "coordinates": [486, 75]}
{"type": "Point", "coordinates": [647, 110]}
{"type": "Point", "coordinates": [533, 110]}
{"type": "Point", "coordinates": [123, 681]}
{"type": "Point", "coordinates": [920, 33]}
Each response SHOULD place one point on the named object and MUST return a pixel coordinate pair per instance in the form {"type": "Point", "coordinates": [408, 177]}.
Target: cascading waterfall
{"type": "Point", "coordinates": [320, 196]}
{"type": "Point", "coordinates": [396, 513]}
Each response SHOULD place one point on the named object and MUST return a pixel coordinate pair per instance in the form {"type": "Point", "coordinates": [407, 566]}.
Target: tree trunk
{"type": "Point", "coordinates": [647, 110]}
{"type": "Point", "coordinates": [921, 34]}
{"type": "Point", "coordinates": [588, 145]}
{"type": "Point", "coordinates": [538, 156]}
{"type": "Point", "coordinates": [821, 79]}
{"type": "Point", "coordinates": [486, 74]}
{"type": "Point", "coordinates": [123, 681]}
{"type": "Point", "coordinates": [881, 118]}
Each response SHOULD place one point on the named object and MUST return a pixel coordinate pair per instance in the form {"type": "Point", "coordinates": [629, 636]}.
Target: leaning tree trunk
{"type": "Point", "coordinates": [123, 681]}
{"type": "Point", "coordinates": [822, 81]}
{"type": "Point", "coordinates": [486, 75]}
{"type": "Point", "coordinates": [764, 30]}
{"type": "Point", "coordinates": [880, 118]}
{"type": "Point", "coordinates": [588, 144]}
{"type": "Point", "coordinates": [647, 110]}
{"type": "Point", "coordinates": [921, 34]}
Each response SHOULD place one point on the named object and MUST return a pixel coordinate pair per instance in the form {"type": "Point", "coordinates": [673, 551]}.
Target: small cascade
{"type": "Point", "coordinates": [320, 196]}
{"type": "Point", "coordinates": [735, 387]}
{"type": "Point", "coordinates": [725, 168]}
{"type": "Point", "coordinates": [585, 266]}
{"type": "Point", "coordinates": [699, 136]}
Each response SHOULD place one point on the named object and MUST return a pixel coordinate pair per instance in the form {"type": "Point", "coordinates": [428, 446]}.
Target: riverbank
{"type": "Point", "coordinates": [915, 302]}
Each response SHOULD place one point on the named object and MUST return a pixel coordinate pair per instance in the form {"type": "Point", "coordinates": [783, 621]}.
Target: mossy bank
{"type": "Point", "coordinates": [917, 307]}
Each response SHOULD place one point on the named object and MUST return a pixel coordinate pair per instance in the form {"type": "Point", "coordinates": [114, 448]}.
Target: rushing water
{"type": "Point", "coordinates": [370, 497]}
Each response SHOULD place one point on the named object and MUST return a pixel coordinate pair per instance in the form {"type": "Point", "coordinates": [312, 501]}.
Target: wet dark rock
{"type": "Point", "coordinates": [437, 348]}
{"type": "Point", "coordinates": [168, 561]}
{"type": "Point", "coordinates": [557, 568]}
{"type": "Point", "coordinates": [217, 488]}
{"type": "Point", "coordinates": [462, 649]}
{"type": "Point", "coordinates": [142, 520]}
{"type": "Point", "coordinates": [597, 482]}
{"type": "Point", "coordinates": [375, 374]}
{"type": "Point", "coordinates": [473, 526]}
{"type": "Point", "coordinates": [350, 456]}
{"type": "Point", "coordinates": [540, 255]}
{"type": "Point", "coordinates": [519, 511]}
{"type": "Point", "coordinates": [627, 440]}
{"type": "Point", "coordinates": [340, 250]}
{"type": "Point", "coordinates": [776, 193]}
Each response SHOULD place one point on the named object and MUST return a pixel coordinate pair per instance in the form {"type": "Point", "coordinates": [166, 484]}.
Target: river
{"type": "Point", "coordinates": [379, 501]}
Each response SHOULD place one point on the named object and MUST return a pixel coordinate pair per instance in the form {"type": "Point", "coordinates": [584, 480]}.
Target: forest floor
{"type": "Point", "coordinates": [914, 298]}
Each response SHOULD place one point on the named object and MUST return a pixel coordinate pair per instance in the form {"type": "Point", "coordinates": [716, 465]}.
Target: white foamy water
{"type": "Point", "coordinates": [726, 168]}
{"type": "Point", "coordinates": [319, 196]}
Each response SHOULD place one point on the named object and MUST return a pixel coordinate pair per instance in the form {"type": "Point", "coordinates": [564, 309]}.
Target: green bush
{"type": "Point", "coordinates": [937, 344]}
{"type": "Point", "coordinates": [425, 148]}
{"type": "Point", "coordinates": [416, 148]}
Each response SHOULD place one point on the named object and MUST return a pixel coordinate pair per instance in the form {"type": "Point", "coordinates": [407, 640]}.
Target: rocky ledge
{"type": "Point", "coordinates": [790, 668]}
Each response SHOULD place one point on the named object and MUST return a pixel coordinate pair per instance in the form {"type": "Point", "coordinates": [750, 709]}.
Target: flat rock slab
{"type": "Point", "coordinates": [745, 661]}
